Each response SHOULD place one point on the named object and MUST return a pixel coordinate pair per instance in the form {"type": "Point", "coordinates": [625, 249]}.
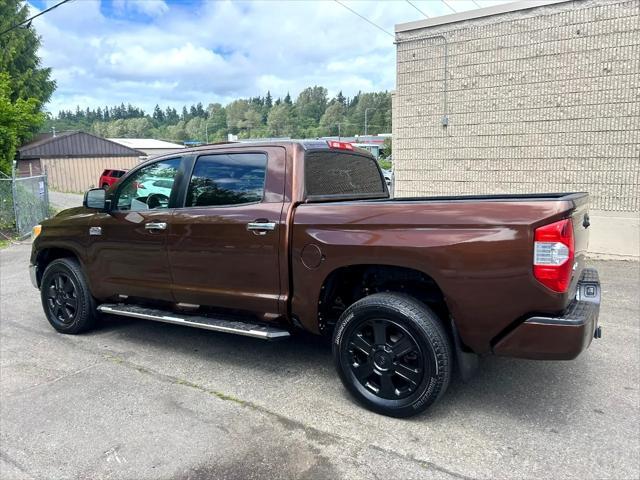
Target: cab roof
{"type": "Point", "coordinates": [305, 144]}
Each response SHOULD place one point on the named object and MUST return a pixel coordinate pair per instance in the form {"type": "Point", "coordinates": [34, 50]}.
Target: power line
{"type": "Point", "coordinates": [28, 20]}
{"type": "Point", "coordinates": [414, 6]}
{"type": "Point", "coordinates": [476, 3]}
{"type": "Point", "coordinates": [452, 9]}
{"type": "Point", "coordinates": [365, 19]}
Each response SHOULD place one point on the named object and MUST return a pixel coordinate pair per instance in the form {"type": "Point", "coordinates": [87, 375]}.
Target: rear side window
{"type": "Point", "coordinates": [106, 173]}
{"type": "Point", "coordinates": [117, 173]}
{"type": "Point", "coordinates": [342, 174]}
{"type": "Point", "coordinates": [227, 179]}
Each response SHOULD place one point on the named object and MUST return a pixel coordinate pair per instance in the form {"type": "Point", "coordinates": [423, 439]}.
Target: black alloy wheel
{"type": "Point", "coordinates": [66, 298]}
{"type": "Point", "coordinates": [392, 354]}
{"type": "Point", "coordinates": [385, 358]}
{"type": "Point", "coordinates": [62, 300]}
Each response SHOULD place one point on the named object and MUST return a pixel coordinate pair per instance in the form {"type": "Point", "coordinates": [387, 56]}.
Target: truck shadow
{"type": "Point", "coordinates": [547, 393]}
{"type": "Point", "coordinates": [541, 391]}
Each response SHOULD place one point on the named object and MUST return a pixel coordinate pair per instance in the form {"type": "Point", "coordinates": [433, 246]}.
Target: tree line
{"type": "Point", "coordinates": [312, 114]}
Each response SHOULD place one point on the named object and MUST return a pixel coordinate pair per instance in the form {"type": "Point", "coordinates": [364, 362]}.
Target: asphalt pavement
{"type": "Point", "coordinates": [137, 400]}
{"type": "Point", "coordinates": [62, 201]}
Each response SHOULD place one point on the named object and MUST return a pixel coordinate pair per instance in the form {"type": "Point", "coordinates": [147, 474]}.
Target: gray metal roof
{"type": "Point", "coordinates": [476, 13]}
{"type": "Point", "coordinates": [75, 144]}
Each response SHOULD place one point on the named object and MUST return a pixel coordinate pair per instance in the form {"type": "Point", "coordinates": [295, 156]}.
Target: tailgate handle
{"type": "Point", "coordinates": [585, 221]}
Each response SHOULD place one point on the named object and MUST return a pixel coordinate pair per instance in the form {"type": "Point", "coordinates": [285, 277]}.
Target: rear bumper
{"type": "Point", "coordinates": [562, 337]}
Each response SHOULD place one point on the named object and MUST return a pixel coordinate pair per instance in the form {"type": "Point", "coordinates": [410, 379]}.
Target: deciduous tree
{"type": "Point", "coordinates": [18, 118]}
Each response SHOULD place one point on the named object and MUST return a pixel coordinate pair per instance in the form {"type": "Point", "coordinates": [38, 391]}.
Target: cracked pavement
{"type": "Point", "coordinates": [137, 400]}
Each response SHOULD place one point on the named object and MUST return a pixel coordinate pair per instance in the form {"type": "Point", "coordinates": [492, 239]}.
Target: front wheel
{"type": "Point", "coordinates": [392, 354]}
{"type": "Point", "coordinates": [66, 299]}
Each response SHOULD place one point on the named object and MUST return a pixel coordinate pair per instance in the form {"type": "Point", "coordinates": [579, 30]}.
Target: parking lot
{"type": "Point", "coordinates": [138, 399]}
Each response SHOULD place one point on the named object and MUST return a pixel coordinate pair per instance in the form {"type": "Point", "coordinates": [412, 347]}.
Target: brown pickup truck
{"type": "Point", "coordinates": [264, 239]}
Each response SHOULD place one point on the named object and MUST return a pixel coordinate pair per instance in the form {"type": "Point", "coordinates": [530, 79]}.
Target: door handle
{"type": "Point", "coordinates": [261, 228]}
{"type": "Point", "coordinates": [155, 226]}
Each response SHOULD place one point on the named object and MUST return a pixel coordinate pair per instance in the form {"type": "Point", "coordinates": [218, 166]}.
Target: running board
{"type": "Point", "coordinates": [220, 324]}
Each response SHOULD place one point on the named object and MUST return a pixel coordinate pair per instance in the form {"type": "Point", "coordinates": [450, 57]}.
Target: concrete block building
{"type": "Point", "coordinates": [530, 96]}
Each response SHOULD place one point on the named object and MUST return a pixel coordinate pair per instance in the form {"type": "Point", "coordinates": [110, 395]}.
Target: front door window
{"type": "Point", "coordinates": [149, 188]}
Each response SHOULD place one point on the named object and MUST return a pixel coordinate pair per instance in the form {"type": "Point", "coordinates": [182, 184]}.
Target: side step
{"type": "Point", "coordinates": [219, 324]}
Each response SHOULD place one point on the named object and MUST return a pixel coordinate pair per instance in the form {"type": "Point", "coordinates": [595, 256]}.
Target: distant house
{"type": "Point", "coordinates": [150, 146]}
{"type": "Point", "coordinates": [74, 161]}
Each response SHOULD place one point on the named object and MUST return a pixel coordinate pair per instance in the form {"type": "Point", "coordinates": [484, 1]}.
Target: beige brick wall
{"type": "Point", "coordinates": [538, 100]}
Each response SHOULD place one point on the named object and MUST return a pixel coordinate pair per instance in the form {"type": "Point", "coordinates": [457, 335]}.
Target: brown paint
{"type": "Point", "coordinates": [478, 251]}
{"type": "Point", "coordinates": [542, 341]}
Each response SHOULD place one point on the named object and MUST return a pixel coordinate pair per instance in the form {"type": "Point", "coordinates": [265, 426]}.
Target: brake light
{"type": "Point", "coordinates": [553, 254]}
{"type": "Point", "coordinates": [339, 145]}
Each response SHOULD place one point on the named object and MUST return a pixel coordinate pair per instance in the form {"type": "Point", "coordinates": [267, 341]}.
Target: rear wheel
{"type": "Point", "coordinates": [105, 186]}
{"type": "Point", "coordinates": [66, 299]}
{"type": "Point", "coordinates": [392, 354]}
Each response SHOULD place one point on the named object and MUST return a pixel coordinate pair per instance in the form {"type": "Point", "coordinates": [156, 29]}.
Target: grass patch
{"type": "Point", "coordinates": [7, 237]}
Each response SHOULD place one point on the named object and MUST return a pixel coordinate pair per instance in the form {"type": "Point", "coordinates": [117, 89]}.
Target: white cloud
{"type": "Point", "coordinates": [148, 52]}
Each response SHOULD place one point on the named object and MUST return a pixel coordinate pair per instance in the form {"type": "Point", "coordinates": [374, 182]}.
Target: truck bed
{"type": "Point", "coordinates": [478, 249]}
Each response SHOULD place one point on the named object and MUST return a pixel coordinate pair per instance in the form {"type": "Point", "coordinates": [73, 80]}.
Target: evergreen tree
{"type": "Point", "coordinates": [200, 111]}
{"type": "Point", "coordinates": [158, 114]}
{"type": "Point", "coordinates": [19, 57]}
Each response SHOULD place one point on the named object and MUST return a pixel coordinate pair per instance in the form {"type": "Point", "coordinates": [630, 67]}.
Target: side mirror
{"type": "Point", "coordinates": [95, 198]}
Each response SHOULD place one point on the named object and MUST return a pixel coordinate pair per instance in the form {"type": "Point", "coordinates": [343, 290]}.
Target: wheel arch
{"type": "Point", "coordinates": [347, 284]}
{"type": "Point", "coordinates": [48, 255]}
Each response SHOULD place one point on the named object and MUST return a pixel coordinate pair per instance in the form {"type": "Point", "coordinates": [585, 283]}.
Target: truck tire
{"type": "Point", "coordinates": [65, 296]}
{"type": "Point", "coordinates": [392, 354]}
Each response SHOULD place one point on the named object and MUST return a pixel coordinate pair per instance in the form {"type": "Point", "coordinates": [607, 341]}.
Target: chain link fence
{"type": "Point", "coordinates": [24, 202]}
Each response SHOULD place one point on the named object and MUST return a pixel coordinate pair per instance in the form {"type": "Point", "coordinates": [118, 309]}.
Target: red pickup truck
{"type": "Point", "coordinates": [264, 239]}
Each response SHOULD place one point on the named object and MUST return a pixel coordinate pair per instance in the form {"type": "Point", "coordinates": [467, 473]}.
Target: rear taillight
{"type": "Point", "coordinates": [339, 145]}
{"type": "Point", "coordinates": [553, 254]}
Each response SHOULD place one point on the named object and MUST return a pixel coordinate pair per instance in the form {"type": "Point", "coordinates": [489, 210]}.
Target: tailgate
{"type": "Point", "coordinates": [581, 222]}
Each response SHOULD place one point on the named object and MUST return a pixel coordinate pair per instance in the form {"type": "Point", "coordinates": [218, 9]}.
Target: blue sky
{"type": "Point", "coordinates": [175, 52]}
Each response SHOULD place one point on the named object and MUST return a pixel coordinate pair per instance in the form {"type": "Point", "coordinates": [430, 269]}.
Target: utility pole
{"type": "Point", "coordinates": [206, 132]}
{"type": "Point", "coordinates": [54, 131]}
{"type": "Point", "coordinates": [366, 110]}
{"type": "Point", "coordinates": [338, 131]}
